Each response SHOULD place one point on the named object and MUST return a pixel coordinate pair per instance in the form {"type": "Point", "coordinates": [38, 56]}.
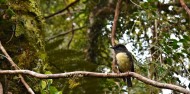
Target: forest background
{"type": "Point", "coordinates": [57, 36]}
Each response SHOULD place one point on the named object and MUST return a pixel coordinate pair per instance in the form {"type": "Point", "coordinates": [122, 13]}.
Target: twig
{"type": "Point", "coordinates": [12, 35]}
{"type": "Point", "coordinates": [8, 57]}
{"type": "Point", "coordinates": [68, 45]}
{"type": "Point", "coordinates": [54, 14]}
{"type": "Point", "coordinates": [98, 75]}
{"type": "Point", "coordinates": [136, 4]}
{"type": "Point", "coordinates": [132, 26]}
{"type": "Point", "coordinates": [16, 68]}
{"type": "Point", "coordinates": [183, 65]}
{"type": "Point", "coordinates": [64, 33]}
{"type": "Point", "coordinates": [184, 6]}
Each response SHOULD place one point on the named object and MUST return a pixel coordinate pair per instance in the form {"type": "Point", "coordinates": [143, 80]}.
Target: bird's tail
{"type": "Point", "coordinates": [128, 80]}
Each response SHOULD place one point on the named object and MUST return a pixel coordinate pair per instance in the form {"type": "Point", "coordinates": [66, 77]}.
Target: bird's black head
{"type": "Point", "coordinates": [119, 48]}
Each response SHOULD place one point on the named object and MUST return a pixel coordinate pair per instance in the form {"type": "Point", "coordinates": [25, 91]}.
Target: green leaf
{"type": "Point", "coordinates": [173, 43]}
{"type": "Point", "coordinates": [50, 81]}
{"type": "Point", "coordinates": [59, 92]}
{"type": "Point", "coordinates": [43, 84]}
{"type": "Point", "coordinates": [53, 90]}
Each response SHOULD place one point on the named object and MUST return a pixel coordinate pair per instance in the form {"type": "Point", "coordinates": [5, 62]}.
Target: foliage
{"type": "Point", "coordinates": [47, 88]}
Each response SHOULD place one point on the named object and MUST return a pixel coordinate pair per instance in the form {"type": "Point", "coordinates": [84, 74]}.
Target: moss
{"type": "Point", "coordinates": [28, 27]}
{"type": "Point", "coordinates": [23, 36]}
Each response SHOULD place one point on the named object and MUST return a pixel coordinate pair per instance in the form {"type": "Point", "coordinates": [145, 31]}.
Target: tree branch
{"type": "Point", "coordinates": [16, 68]}
{"type": "Point", "coordinates": [184, 6]}
{"type": "Point", "coordinates": [72, 36]}
{"type": "Point", "coordinates": [117, 9]}
{"type": "Point", "coordinates": [98, 75]}
{"type": "Point", "coordinates": [116, 16]}
{"type": "Point", "coordinates": [1, 88]}
{"type": "Point", "coordinates": [66, 8]}
{"type": "Point", "coordinates": [64, 33]}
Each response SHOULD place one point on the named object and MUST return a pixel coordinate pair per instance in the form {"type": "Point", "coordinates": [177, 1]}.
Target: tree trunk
{"type": "Point", "coordinates": [21, 35]}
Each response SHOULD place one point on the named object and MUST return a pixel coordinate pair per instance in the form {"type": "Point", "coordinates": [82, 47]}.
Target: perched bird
{"type": "Point", "coordinates": [124, 61]}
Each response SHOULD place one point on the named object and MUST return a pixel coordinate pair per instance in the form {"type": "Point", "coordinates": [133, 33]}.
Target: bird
{"type": "Point", "coordinates": [124, 61]}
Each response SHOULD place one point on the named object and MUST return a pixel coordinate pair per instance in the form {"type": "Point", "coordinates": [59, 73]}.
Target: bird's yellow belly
{"type": "Point", "coordinates": [123, 61]}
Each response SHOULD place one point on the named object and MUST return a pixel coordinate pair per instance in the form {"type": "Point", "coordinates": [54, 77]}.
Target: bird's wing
{"type": "Point", "coordinates": [132, 58]}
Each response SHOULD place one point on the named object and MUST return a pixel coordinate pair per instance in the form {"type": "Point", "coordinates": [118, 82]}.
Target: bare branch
{"type": "Point", "coordinates": [72, 36]}
{"type": "Point", "coordinates": [184, 6]}
{"type": "Point", "coordinates": [8, 57]}
{"type": "Point", "coordinates": [1, 88]}
{"type": "Point", "coordinates": [66, 8]}
{"type": "Point", "coordinates": [115, 21]}
{"type": "Point", "coordinates": [98, 75]}
{"type": "Point", "coordinates": [16, 68]}
{"type": "Point", "coordinates": [116, 16]}
{"type": "Point", "coordinates": [64, 33]}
